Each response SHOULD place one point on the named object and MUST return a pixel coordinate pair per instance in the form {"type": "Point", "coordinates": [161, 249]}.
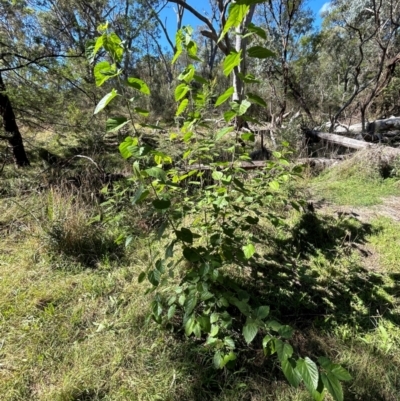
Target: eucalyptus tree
{"type": "Point", "coordinates": [286, 23]}
{"type": "Point", "coordinates": [371, 28]}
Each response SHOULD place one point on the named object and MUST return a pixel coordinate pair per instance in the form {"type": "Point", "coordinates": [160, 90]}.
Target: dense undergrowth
{"type": "Point", "coordinates": [74, 320]}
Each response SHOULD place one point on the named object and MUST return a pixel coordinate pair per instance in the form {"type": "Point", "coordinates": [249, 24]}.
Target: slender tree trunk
{"type": "Point", "coordinates": [11, 128]}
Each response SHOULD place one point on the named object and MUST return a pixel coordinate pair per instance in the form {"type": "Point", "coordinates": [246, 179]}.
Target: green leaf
{"type": "Point", "coordinates": [140, 195]}
{"type": "Point", "coordinates": [284, 350]}
{"type": "Point", "coordinates": [333, 385]}
{"type": "Point", "coordinates": [237, 12]}
{"type": "Point", "coordinates": [262, 312]}
{"type": "Point", "coordinates": [154, 277]}
{"type": "Point", "coordinates": [228, 341]}
{"type": "Point", "coordinates": [214, 317]}
{"type": "Point", "coordinates": [249, 79]}
{"type": "Point", "coordinates": [340, 373]}
{"type": "Point", "coordinates": [260, 52]}
{"type": "Point", "coordinates": [189, 326]}
{"type": "Point", "coordinates": [143, 112]}
{"type": "Point", "coordinates": [105, 101]}
{"type": "Point", "coordinates": [240, 108]}
{"type": "Point", "coordinates": [188, 74]}
{"type": "Point", "coordinates": [112, 43]}
{"type": "Point", "coordinates": [225, 96]}
{"type": "Point", "coordinates": [290, 372]}
{"type": "Point", "coordinates": [248, 250]}
{"type": "Point", "coordinates": [161, 204]}
{"type": "Point", "coordinates": [116, 123]}
{"type": "Point", "coordinates": [248, 136]}
{"type": "Point", "coordinates": [221, 133]}
{"type": "Point", "coordinates": [257, 30]}
{"type": "Point", "coordinates": [229, 115]}
{"type": "Point", "coordinates": [250, 330]}
{"type": "Point", "coordinates": [274, 185]}
{"type": "Point", "coordinates": [218, 360]}
{"type": "Point", "coordinates": [256, 99]}
{"type": "Point", "coordinates": [102, 72]}
{"type": "Point", "coordinates": [185, 235]}
{"type": "Point", "coordinates": [285, 331]}
{"type": "Point", "coordinates": [139, 85]}
{"type": "Point", "coordinates": [124, 146]}
{"type": "Point", "coordinates": [171, 312]}
{"type": "Point", "coordinates": [309, 372]}
{"type": "Point", "coordinates": [157, 172]}
{"type": "Point", "coordinates": [180, 91]}
{"type": "Point", "coordinates": [182, 107]}
{"type": "Point", "coordinates": [231, 61]}
{"type": "Point", "coordinates": [141, 277]}
{"type": "Point", "coordinates": [217, 175]}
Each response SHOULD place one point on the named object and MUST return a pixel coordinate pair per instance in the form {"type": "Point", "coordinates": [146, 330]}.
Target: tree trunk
{"type": "Point", "coordinates": [11, 128]}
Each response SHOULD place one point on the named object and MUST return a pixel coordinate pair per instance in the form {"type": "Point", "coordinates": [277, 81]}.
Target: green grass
{"type": "Point", "coordinates": [356, 190]}
{"type": "Point", "coordinates": [72, 330]}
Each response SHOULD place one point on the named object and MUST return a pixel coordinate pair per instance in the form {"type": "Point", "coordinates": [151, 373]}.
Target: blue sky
{"type": "Point", "coordinates": [203, 6]}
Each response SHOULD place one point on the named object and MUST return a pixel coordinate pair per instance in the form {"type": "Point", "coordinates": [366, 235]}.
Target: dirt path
{"type": "Point", "coordinates": [389, 208]}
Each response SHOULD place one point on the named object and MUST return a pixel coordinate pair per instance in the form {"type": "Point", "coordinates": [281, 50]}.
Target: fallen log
{"type": "Point", "coordinates": [319, 163]}
{"type": "Point", "coordinates": [388, 124]}
{"type": "Point", "coordinates": [316, 136]}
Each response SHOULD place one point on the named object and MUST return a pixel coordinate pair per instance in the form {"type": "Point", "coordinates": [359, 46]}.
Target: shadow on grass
{"type": "Point", "coordinates": [314, 281]}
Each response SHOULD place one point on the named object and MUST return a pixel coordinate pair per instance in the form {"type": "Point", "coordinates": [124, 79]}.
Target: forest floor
{"type": "Point", "coordinates": [73, 317]}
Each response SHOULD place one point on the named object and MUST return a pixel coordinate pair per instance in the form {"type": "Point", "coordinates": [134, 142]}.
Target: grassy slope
{"type": "Point", "coordinates": [73, 332]}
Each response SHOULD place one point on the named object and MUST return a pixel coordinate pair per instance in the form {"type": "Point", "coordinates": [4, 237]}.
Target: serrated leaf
{"type": "Point", "coordinates": [217, 175]}
{"type": "Point", "coordinates": [240, 108]}
{"type": "Point", "coordinates": [284, 350]}
{"type": "Point", "coordinates": [180, 91]}
{"type": "Point", "coordinates": [139, 85]}
{"type": "Point", "coordinates": [225, 96]}
{"type": "Point", "coordinates": [309, 372]}
{"type": "Point", "coordinates": [248, 250]}
{"type": "Point", "coordinates": [189, 326]}
{"type": "Point", "coordinates": [260, 52]}
{"type": "Point", "coordinates": [285, 331]}
{"type": "Point", "coordinates": [333, 386]}
{"type": "Point", "coordinates": [116, 123]}
{"type": "Point", "coordinates": [214, 317]}
{"type": "Point", "coordinates": [290, 372]}
{"type": "Point", "coordinates": [229, 115]}
{"type": "Point", "coordinates": [218, 360]}
{"type": "Point", "coordinates": [274, 185]}
{"type": "Point", "coordinates": [250, 330]}
{"type": "Point", "coordinates": [105, 101]}
{"type": "Point", "coordinates": [231, 61]}
{"type": "Point", "coordinates": [182, 107]}
{"type": "Point", "coordinates": [256, 99]}
{"type": "Point", "coordinates": [141, 277]}
{"type": "Point", "coordinates": [228, 341]}
{"type": "Point", "coordinates": [102, 72]}
{"type": "Point", "coordinates": [263, 312]}
{"type": "Point", "coordinates": [257, 30]}
{"type": "Point", "coordinates": [125, 147]}
{"type": "Point", "coordinates": [221, 133]}
{"type": "Point", "coordinates": [154, 277]}
{"type": "Point", "coordinates": [340, 372]}
{"type": "Point", "coordinates": [157, 172]}
{"type": "Point", "coordinates": [214, 330]}
{"type": "Point", "coordinates": [237, 12]}
{"type": "Point", "coordinates": [112, 43]}
{"type": "Point", "coordinates": [171, 312]}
